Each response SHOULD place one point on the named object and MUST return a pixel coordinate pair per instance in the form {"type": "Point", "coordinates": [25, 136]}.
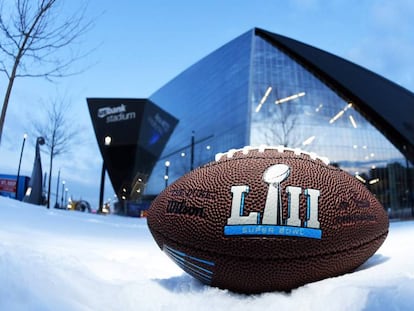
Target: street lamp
{"type": "Point", "coordinates": [63, 192]}
{"type": "Point", "coordinates": [107, 142]}
{"type": "Point", "coordinates": [192, 151]}
{"type": "Point", "coordinates": [66, 197]}
{"type": "Point", "coordinates": [57, 190]}
{"type": "Point", "coordinates": [20, 162]}
{"type": "Point", "coordinates": [167, 166]}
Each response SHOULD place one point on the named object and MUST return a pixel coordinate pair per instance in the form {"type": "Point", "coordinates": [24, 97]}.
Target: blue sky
{"type": "Point", "coordinates": [141, 45]}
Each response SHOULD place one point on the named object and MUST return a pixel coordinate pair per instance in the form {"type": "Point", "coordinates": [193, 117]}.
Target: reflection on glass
{"type": "Point", "coordinates": [325, 122]}
{"type": "Point", "coordinates": [292, 97]}
{"type": "Point", "coordinates": [263, 100]}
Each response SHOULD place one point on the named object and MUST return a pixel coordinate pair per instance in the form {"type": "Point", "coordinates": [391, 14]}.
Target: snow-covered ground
{"type": "Point", "coordinates": [61, 260]}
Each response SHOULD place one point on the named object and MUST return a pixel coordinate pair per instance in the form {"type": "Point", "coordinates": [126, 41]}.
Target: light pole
{"type": "Point", "coordinates": [208, 148]}
{"type": "Point", "coordinates": [66, 198]}
{"type": "Point", "coordinates": [63, 192]}
{"type": "Point", "coordinates": [167, 166]}
{"type": "Point", "coordinates": [192, 151]}
{"type": "Point", "coordinates": [107, 141]}
{"type": "Point", "coordinates": [20, 162]}
{"type": "Point", "coordinates": [57, 190]}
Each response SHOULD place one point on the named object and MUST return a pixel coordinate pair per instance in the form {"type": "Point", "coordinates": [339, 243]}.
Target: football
{"type": "Point", "coordinates": [267, 219]}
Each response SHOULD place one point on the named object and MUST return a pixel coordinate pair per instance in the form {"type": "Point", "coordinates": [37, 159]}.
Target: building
{"type": "Point", "coordinates": [131, 134]}
{"type": "Point", "coordinates": [263, 88]}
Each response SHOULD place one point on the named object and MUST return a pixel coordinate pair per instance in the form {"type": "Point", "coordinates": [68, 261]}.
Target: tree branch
{"type": "Point", "coordinates": [32, 38]}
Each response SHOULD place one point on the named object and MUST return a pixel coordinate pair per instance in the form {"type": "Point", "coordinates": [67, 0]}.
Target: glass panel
{"type": "Point", "coordinates": [291, 106]}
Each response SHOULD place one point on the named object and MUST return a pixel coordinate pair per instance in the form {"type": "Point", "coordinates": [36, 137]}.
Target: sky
{"type": "Point", "coordinates": [71, 261]}
{"type": "Point", "coordinates": [138, 46]}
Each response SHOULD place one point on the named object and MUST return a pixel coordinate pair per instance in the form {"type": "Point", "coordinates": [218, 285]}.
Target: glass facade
{"type": "Point", "coordinates": [291, 106]}
{"type": "Point", "coordinates": [210, 101]}
{"type": "Point", "coordinates": [250, 92]}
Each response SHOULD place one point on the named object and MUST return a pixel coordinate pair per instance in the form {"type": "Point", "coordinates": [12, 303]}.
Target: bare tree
{"type": "Point", "coordinates": [279, 126]}
{"type": "Point", "coordinates": [33, 36]}
{"type": "Point", "coordinates": [59, 131]}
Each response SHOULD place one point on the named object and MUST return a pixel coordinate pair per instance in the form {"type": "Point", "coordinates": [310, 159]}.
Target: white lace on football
{"type": "Point", "coordinates": [262, 148]}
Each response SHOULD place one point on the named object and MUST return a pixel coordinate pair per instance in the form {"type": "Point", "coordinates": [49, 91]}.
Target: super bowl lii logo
{"type": "Point", "coordinates": [272, 223]}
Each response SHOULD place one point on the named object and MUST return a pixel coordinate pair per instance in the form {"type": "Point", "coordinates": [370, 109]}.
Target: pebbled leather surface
{"type": "Point", "coordinates": [190, 216]}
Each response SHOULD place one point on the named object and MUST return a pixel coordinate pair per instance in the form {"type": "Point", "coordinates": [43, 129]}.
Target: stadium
{"type": "Point", "coordinates": [264, 88]}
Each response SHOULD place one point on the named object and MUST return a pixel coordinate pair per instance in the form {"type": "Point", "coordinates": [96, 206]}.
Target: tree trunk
{"type": "Point", "coordinates": [7, 96]}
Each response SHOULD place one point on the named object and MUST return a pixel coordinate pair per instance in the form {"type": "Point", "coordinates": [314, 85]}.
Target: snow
{"type": "Point", "coordinates": [63, 260]}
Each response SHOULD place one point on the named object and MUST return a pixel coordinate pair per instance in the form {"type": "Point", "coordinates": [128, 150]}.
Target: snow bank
{"type": "Point", "coordinates": [61, 260]}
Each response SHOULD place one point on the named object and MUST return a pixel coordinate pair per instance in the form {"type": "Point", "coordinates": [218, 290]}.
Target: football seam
{"type": "Point", "coordinates": [310, 160]}
{"type": "Point", "coordinates": [262, 149]}
{"type": "Point", "coordinates": [218, 254]}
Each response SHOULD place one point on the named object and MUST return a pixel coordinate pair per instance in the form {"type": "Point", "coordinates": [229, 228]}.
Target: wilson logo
{"type": "Point", "coordinates": [271, 223]}
{"type": "Point", "coordinates": [182, 208]}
